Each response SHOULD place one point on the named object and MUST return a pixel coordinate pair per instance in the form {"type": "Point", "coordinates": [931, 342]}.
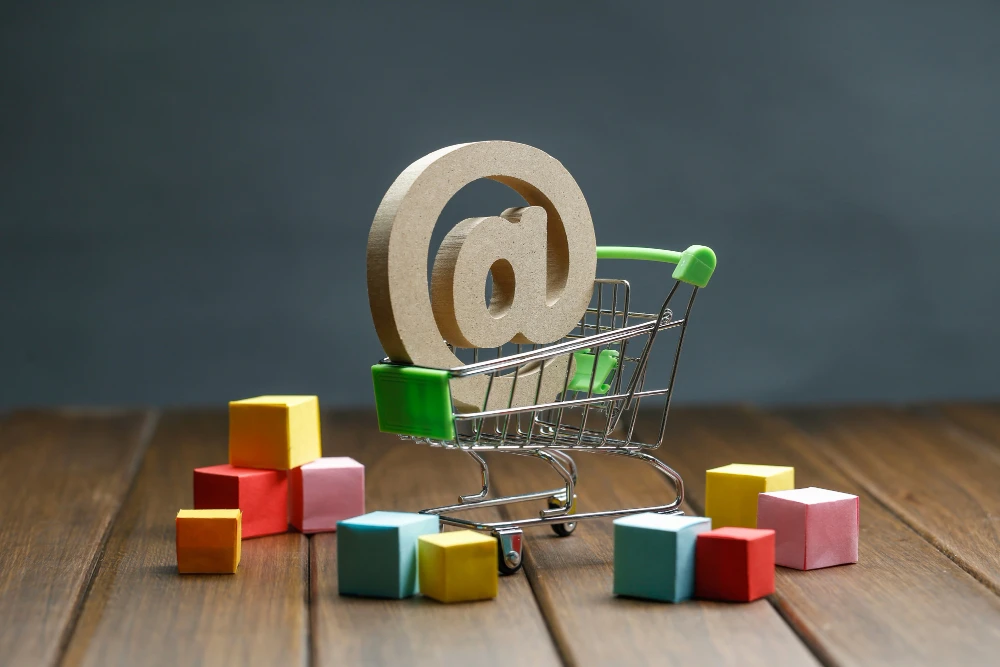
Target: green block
{"type": "Point", "coordinates": [412, 400]}
{"type": "Point", "coordinates": [377, 553]}
{"type": "Point", "coordinates": [585, 364]}
{"type": "Point", "coordinates": [655, 555]}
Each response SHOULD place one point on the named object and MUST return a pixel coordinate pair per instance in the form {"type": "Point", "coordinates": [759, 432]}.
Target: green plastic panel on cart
{"type": "Point", "coordinates": [694, 266]}
{"type": "Point", "coordinates": [585, 365]}
{"type": "Point", "coordinates": [411, 400]}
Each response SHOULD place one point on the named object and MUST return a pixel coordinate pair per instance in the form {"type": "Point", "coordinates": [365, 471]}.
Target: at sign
{"type": "Point", "coordinates": [543, 258]}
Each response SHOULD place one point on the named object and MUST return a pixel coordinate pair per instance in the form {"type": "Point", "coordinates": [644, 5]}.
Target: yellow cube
{"type": "Point", "coordinates": [731, 492]}
{"type": "Point", "coordinates": [458, 566]}
{"type": "Point", "coordinates": [274, 432]}
{"type": "Point", "coordinates": [208, 541]}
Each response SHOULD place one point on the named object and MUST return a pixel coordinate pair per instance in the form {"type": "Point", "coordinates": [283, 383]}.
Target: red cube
{"type": "Point", "coordinates": [734, 564]}
{"type": "Point", "coordinates": [262, 495]}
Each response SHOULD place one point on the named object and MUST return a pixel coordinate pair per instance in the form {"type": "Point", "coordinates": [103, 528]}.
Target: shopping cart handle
{"type": "Point", "coordinates": [694, 266]}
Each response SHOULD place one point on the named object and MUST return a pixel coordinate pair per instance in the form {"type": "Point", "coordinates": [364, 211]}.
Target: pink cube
{"type": "Point", "coordinates": [813, 527]}
{"type": "Point", "coordinates": [326, 491]}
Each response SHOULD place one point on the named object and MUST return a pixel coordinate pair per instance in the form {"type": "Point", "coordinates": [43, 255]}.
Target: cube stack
{"type": "Point", "coordinates": [761, 520]}
{"type": "Point", "coordinates": [275, 470]}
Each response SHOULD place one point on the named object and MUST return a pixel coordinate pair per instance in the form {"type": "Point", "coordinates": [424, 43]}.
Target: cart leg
{"type": "Point", "coordinates": [567, 461]}
{"type": "Point", "coordinates": [664, 469]}
{"type": "Point", "coordinates": [509, 549]}
{"type": "Point", "coordinates": [561, 501]}
{"type": "Point", "coordinates": [485, 471]}
{"type": "Point", "coordinates": [563, 529]}
{"type": "Point", "coordinates": [568, 477]}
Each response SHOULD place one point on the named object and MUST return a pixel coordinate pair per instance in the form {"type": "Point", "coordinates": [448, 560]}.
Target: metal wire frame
{"type": "Point", "coordinates": [548, 435]}
{"type": "Point", "coordinates": [547, 425]}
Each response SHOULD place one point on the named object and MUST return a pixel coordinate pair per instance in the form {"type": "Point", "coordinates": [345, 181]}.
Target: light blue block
{"type": "Point", "coordinates": [377, 553]}
{"type": "Point", "coordinates": [654, 555]}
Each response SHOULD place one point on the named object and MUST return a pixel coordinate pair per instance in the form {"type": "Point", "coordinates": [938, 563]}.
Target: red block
{"type": "Point", "coordinates": [262, 495]}
{"type": "Point", "coordinates": [734, 564]}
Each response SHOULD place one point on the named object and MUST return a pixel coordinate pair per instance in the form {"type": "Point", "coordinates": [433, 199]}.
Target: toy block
{"type": "Point", "coordinates": [276, 432]}
{"type": "Point", "coordinates": [734, 564]}
{"type": "Point", "coordinates": [813, 527]}
{"type": "Point", "coordinates": [458, 566]}
{"type": "Point", "coordinates": [377, 553]}
{"type": "Point", "coordinates": [262, 496]}
{"type": "Point", "coordinates": [326, 491]}
{"type": "Point", "coordinates": [654, 555]}
{"type": "Point", "coordinates": [731, 492]}
{"type": "Point", "coordinates": [208, 541]}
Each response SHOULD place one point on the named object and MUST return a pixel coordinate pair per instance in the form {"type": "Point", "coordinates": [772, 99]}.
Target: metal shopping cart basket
{"type": "Point", "coordinates": [602, 387]}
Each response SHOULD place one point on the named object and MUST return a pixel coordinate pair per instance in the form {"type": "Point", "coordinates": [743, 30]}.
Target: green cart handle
{"type": "Point", "coordinates": [694, 266]}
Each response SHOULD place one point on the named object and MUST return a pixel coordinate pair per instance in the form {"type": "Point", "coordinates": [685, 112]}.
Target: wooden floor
{"type": "Point", "coordinates": [88, 569]}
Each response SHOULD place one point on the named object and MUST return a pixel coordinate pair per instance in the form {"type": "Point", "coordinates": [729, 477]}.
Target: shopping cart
{"type": "Point", "coordinates": [606, 358]}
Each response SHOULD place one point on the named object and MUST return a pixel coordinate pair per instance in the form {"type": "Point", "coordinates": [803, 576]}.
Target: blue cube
{"type": "Point", "coordinates": [377, 553]}
{"type": "Point", "coordinates": [654, 555]}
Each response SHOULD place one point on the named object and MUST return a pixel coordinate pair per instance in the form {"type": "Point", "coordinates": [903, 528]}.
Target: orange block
{"type": "Point", "coordinates": [208, 541]}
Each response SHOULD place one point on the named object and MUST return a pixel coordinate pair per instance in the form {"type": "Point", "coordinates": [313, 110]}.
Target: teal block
{"type": "Point", "coordinates": [654, 555]}
{"type": "Point", "coordinates": [377, 553]}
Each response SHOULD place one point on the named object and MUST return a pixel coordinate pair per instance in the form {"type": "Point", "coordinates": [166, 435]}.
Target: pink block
{"type": "Point", "coordinates": [813, 527]}
{"type": "Point", "coordinates": [326, 491]}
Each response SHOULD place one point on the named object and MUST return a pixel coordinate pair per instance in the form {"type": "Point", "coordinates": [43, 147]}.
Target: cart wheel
{"type": "Point", "coordinates": [563, 529]}
{"type": "Point", "coordinates": [509, 550]}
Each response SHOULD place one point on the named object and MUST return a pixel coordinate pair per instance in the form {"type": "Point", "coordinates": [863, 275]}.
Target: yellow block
{"type": "Point", "coordinates": [274, 432]}
{"type": "Point", "coordinates": [731, 492]}
{"type": "Point", "coordinates": [458, 566]}
{"type": "Point", "coordinates": [208, 541]}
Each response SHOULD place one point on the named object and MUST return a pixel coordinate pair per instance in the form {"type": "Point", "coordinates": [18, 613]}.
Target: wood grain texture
{"type": "Point", "coordinates": [980, 419]}
{"type": "Point", "coordinates": [572, 578]}
{"type": "Point", "coordinates": [903, 603]}
{"type": "Point", "coordinates": [141, 611]}
{"type": "Point", "coordinates": [63, 476]}
{"type": "Point", "coordinates": [945, 485]}
{"type": "Point", "coordinates": [407, 476]}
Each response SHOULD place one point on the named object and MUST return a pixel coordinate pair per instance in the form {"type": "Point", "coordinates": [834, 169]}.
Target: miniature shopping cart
{"type": "Point", "coordinates": [596, 411]}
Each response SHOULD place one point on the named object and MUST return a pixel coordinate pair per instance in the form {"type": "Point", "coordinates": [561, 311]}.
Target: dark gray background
{"type": "Point", "coordinates": [186, 191]}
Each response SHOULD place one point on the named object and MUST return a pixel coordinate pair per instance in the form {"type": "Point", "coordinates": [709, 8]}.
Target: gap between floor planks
{"type": "Point", "coordinates": [409, 476]}
{"type": "Point", "coordinates": [63, 477]}
{"type": "Point", "coordinates": [940, 479]}
{"type": "Point", "coordinates": [980, 420]}
{"type": "Point", "coordinates": [904, 601]}
{"type": "Point", "coordinates": [572, 579]}
{"type": "Point", "coordinates": [945, 630]}
{"type": "Point", "coordinates": [140, 611]}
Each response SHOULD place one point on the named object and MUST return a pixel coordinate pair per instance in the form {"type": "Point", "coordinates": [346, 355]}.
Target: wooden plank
{"type": "Point", "coordinates": [945, 485]}
{"type": "Point", "coordinates": [572, 578]}
{"type": "Point", "coordinates": [903, 603]}
{"type": "Point", "coordinates": [63, 475]}
{"type": "Point", "coordinates": [140, 611]}
{"type": "Point", "coordinates": [981, 419]}
{"type": "Point", "coordinates": [407, 476]}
